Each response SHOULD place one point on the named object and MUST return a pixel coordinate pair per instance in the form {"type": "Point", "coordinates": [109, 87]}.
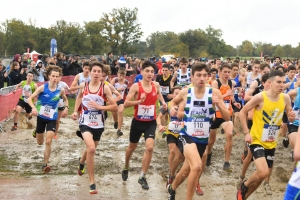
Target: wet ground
{"type": "Point", "coordinates": [21, 161]}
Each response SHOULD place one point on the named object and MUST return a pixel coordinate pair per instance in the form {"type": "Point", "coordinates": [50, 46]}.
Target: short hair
{"type": "Point", "coordinates": [288, 60]}
{"type": "Point", "coordinates": [291, 67]}
{"type": "Point", "coordinates": [256, 62]}
{"type": "Point", "coordinates": [234, 65]}
{"type": "Point", "coordinates": [277, 57]}
{"type": "Point", "coordinates": [166, 66]}
{"type": "Point", "coordinates": [225, 65]}
{"type": "Point", "coordinates": [86, 63]}
{"type": "Point", "coordinates": [183, 60]}
{"type": "Point", "coordinates": [265, 77]}
{"type": "Point", "coordinates": [96, 63]}
{"type": "Point", "coordinates": [147, 63]}
{"type": "Point", "coordinates": [106, 69]}
{"type": "Point", "coordinates": [122, 71]}
{"type": "Point", "coordinates": [199, 67]}
{"type": "Point", "coordinates": [176, 65]}
{"type": "Point", "coordinates": [213, 70]}
{"type": "Point", "coordinates": [124, 53]}
{"type": "Point", "coordinates": [277, 68]}
{"type": "Point", "coordinates": [30, 72]}
{"type": "Point", "coordinates": [175, 88]}
{"type": "Point", "coordinates": [276, 73]}
{"type": "Point", "coordinates": [109, 53]}
{"type": "Point", "coordinates": [53, 68]}
{"type": "Point", "coordinates": [264, 65]}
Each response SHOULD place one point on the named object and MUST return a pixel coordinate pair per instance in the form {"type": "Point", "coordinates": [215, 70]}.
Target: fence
{"type": "Point", "coordinates": [9, 100]}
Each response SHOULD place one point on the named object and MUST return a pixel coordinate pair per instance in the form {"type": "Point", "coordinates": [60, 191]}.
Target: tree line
{"type": "Point", "coordinates": [120, 31]}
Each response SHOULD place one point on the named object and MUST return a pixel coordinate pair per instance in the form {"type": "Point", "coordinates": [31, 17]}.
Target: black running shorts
{"type": "Point", "coordinates": [172, 139]}
{"type": "Point", "coordinates": [42, 124]}
{"type": "Point", "coordinates": [139, 127]}
{"type": "Point", "coordinates": [184, 139]}
{"type": "Point", "coordinates": [96, 132]}
{"type": "Point", "coordinates": [24, 105]}
{"type": "Point", "coordinates": [259, 151]}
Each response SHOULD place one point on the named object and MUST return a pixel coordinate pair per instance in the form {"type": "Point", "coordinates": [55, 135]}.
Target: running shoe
{"type": "Point", "coordinates": [119, 133]}
{"type": "Point", "coordinates": [144, 183]}
{"type": "Point", "coordinates": [169, 181]}
{"type": "Point", "coordinates": [171, 192]}
{"type": "Point", "coordinates": [79, 134]}
{"type": "Point", "coordinates": [46, 169]}
{"type": "Point", "coordinates": [164, 134]}
{"type": "Point", "coordinates": [244, 155]}
{"type": "Point", "coordinates": [125, 174]}
{"type": "Point", "coordinates": [208, 160]}
{"type": "Point", "coordinates": [34, 133]}
{"type": "Point", "coordinates": [115, 125]}
{"type": "Point", "coordinates": [93, 189]}
{"type": "Point", "coordinates": [227, 166]}
{"type": "Point", "coordinates": [14, 128]}
{"type": "Point", "coordinates": [199, 191]}
{"type": "Point", "coordinates": [241, 193]}
{"type": "Point", "coordinates": [80, 168]}
{"type": "Point", "coordinates": [239, 182]}
{"type": "Point", "coordinates": [55, 137]}
{"type": "Point", "coordinates": [268, 189]}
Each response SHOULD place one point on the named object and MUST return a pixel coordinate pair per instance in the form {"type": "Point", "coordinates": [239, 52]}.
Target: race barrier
{"type": "Point", "coordinates": [9, 100]}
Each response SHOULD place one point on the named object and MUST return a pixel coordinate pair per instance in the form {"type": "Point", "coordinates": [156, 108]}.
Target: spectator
{"type": "Point", "coordinates": [73, 68]}
{"type": "Point", "coordinates": [41, 69]}
{"type": "Point", "coordinates": [139, 67]}
{"type": "Point", "coordinates": [116, 65]}
{"type": "Point", "coordinates": [129, 68]}
{"type": "Point", "coordinates": [123, 60]}
{"type": "Point", "coordinates": [59, 61]}
{"type": "Point", "coordinates": [32, 68]}
{"type": "Point", "coordinates": [109, 61]}
{"type": "Point", "coordinates": [15, 75]}
{"type": "Point", "coordinates": [3, 76]}
{"type": "Point", "coordinates": [25, 70]}
{"type": "Point", "coordinates": [159, 66]}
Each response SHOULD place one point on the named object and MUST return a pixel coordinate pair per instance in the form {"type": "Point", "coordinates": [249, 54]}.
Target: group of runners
{"type": "Point", "coordinates": [193, 104]}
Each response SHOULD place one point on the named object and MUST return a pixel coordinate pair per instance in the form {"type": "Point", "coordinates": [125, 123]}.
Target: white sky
{"type": "Point", "coordinates": [271, 21]}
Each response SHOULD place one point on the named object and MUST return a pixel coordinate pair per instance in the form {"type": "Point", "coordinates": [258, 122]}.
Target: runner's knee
{"type": "Point", "coordinates": [149, 148]}
{"type": "Point", "coordinates": [91, 150]}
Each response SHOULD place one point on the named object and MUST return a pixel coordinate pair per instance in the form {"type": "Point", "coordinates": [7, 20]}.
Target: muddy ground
{"type": "Point", "coordinates": [21, 160]}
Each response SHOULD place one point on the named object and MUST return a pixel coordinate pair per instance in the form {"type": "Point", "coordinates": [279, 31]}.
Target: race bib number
{"type": "Point", "coordinates": [175, 126]}
{"type": "Point", "coordinates": [227, 104]}
{"type": "Point", "coordinates": [164, 90]}
{"type": "Point", "coordinates": [61, 103]}
{"type": "Point", "coordinates": [47, 111]}
{"type": "Point", "coordinates": [297, 114]}
{"type": "Point", "coordinates": [198, 127]}
{"type": "Point", "coordinates": [145, 112]}
{"type": "Point", "coordinates": [270, 133]}
{"type": "Point", "coordinates": [236, 91]}
{"type": "Point", "coordinates": [93, 118]}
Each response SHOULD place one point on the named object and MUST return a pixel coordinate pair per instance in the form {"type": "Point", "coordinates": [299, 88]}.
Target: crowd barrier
{"type": "Point", "coordinates": [9, 100]}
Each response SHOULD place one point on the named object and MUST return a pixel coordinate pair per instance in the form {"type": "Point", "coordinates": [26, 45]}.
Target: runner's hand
{"type": "Point", "coordinates": [248, 138]}
{"type": "Point", "coordinates": [173, 111]}
{"type": "Point", "coordinates": [34, 111]}
{"type": "Point", "coordinates": [164, 106]}
{"type": "Point", "coordinates": [93, 104]}
{"type": "Point", "coordinates": [238, 105]}
{"type": "Point", "coordinates": [143, 97]}
{"type": "Point", "coordinates": [74, 116]}
{"type": "Point", "coordinates": [170, 96]}
{"type": "Point", "coordinates": [229, 92]}
{"type": "Point", "coordinates": [291, 116]}
{"type": "Point", "coordinates": [161, 128]}
{"type": "Point", "coordinates": [215, 100]}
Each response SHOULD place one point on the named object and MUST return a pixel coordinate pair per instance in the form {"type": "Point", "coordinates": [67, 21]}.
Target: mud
{"type": "Point", "coordinates": [21, 161]}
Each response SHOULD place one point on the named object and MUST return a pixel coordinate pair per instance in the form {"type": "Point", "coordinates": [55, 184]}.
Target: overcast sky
{"type": "Point", "coordinates": [271, 21]}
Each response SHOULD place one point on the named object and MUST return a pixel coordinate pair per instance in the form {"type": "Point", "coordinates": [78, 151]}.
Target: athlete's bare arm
{"type": "Point", "coordinates": [74, 85]}
{"type": "Point", "coordinates": [288, 108]}
{"type": "Point", "coordinates": [114, 91]}
{"type": "Point", "coordinates": [34, 95]}
{"type": "Point", "coordinates": [66, 102]}
{"type": "Point", "coordinates": [293, 93]}
{"type": "Point", "coordinates": [251, 90]}
{"type": "Point", "coordinates": [78, 101]}
{"type": "Point", "coordinates": [220, 104]}
{"type": "Point", "coordinates": [297, 147]}
{"type": "Point", "coordinates": [160, 116]}
{"type": "Point", "coordinates": [132, 94]}
{"type": "Point", "coordinates": [174, 78]}
{"type": "Point", "coordinates": [112, 102]}
{"type": "Point", "coordinates": [18, 85]}
{"type": "Point", "coordinates": [180, 97]}
{"type": "Point", "coordinates": [113, 81]}
{"type": "Point", "coordinates": [159, 95]}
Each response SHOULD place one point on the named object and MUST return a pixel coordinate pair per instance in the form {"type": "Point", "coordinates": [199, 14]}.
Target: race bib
{"type": "Point", "coordinates": [93, 118]}
{"type": "Point", "coordinates": [145, 112]}
{"type": "Point", "coordinates": [297, 114]}
{"type": "Point", "coordinates": [175, 126]}
{"type": "Point", "coordinates": [236, 91]}
{"type": "Point", "coordinates": [47, 111]}
{"type": "Point", "coordinates": [61, 103]}
{"type": "Point", "coordinates": [164, 90]}
{"type": "Point", "coordinates": [198, 127]}
{"type": "Point", "coordinates": [270, 133]}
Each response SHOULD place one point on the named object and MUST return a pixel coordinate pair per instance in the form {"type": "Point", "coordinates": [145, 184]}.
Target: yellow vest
{"type": "Point", "coordinates": [267, 121]}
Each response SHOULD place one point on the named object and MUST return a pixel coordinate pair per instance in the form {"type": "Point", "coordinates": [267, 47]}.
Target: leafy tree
{"type": "Point", "coordinates": [278, 51]}
{"type": "Point", "coordinates": [288, 50]}
{"type": "Point", "coordinates": [95, 41]}
{"type": "Point", "coordinates": [121, 28]}
{"type": "Point", "coordinates": [267, 48]}
{"type": "Point", "coordinates": [231, 51]}
{"type": "Point", "coordinates": [58, 31]}
{"type": "Point", "coordinates": [196, 41]}
{"type": "Point", "coordinates": [216, 45]}
{"type": "Point", "coordinates": [246, 48]}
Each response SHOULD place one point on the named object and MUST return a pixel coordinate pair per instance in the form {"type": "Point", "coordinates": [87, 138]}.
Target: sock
{"type": "Point", "coordinates": [142, 175]}
{"type": "Point", "coordinates": [16, 124]}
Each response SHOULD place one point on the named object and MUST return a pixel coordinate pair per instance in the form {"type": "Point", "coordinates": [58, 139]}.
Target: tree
{"type": "Point", "coordinates": [216, 45]}
{"type": "Point", "coordinates": [231, 51]}
{"type": "Point", "coordinates": [58, 31]}
{"type": "Point", "coordinates": [246, 48]}
{"type": "Point", "coordinates": [95, 41]}
{"type": "Point", "coordinates": [288, 50]}
{"type": "Point", "coordinates": [121, 28]}
{"type": "Point", "coordinates": [196, 41]}
{"type": "Point", "coordinates": [278, 51]}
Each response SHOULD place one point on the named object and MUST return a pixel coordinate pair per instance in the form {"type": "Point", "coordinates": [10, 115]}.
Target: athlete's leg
{"type": "Point", "coordinates": [292, 138]}
{"type": "Point", "coordinates": [284, 129]}
{"type": "Point", "coordinates": [129, 151]}
{"type": "Point", "coordinates": [211, 140]}
{"type": "Point", "coordinates": [182, 174]}
{"type": "Point", "coordinates": [120, 116]}
{"type": "Point", "coordinates": [115, 115]}
{"type": "Point", "coordinates": [58, 122]}
{"type": "Point", "coordinates": [17, 113]}
{"type": "Point", "coordinates": [174, 159]}
{"type": "Point", "coordinates": [49, 136]}
{"type": "Point", "coordinates": [267, 179]}
{"type": "Point", "coordinates": [147, 154]}
{"type": "Point", "coordinates": [246, 164]}
{"type": "Point", "coordinates": [228, 128]}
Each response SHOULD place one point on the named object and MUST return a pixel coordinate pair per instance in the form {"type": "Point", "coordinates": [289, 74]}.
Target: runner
{"type": "Point", "coordinates": [183, 75]}
{"type": "Point", "coordinates": [196, 107]}
{"type": "Point", "coordinates": [293, 188]}
{"type": "Point", "coordinates": [164, 82]}
{"type": "Point", "coordinates": [61, 106]}
{"type": "Point", "coordinates": [84, 76]}
{"type": "Point", "coordinates": [92, 96]}
{"type": "Point", "coordinates": [145, 93]}
{"type": "Point", "coordinates": [46, 110]}
{"type": "Point", "coordinates": [251, 76]}
{"type": "Point", "coordinates": [225, 85]}
{"type": "Point", "coordinates": [213, 74]}
{"type": "Point", "coordinates": [28, 87]}
{"type": "Point", "coordinates": [268, 108]}
{"type": "Point", "coordinates": [121, 85]}
{"type": "Point", "coordinates": [172, 132]}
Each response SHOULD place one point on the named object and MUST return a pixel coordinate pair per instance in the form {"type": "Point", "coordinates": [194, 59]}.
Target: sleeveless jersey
{"type": "Point", "coordinates": [83, 79]}
{"type": "Point", "coordinates": [124, 87]}
{"type": "Point", "coordinates": [91, 117]}
{"type": "Point", "coordinates": [296, 108]}
{"type": "Point", "coordinates": [62, 84]}
{"type": "Point", "coordinates": [267, 122]}
{"type": "Point", "coordinates": [198, 116]}
{"type": "Point", "coordinates": [259, 88]}
{"type": "Point", "coordinates": [238, 84]}
{"type": "Point", "coordinates": [250, 80]}
{"type": "Point", "coordinates": [174, 124]}
{"type": "Point", "coordinates": [292, 86]}
{"type": "Point", "coordinates": [146, 111]}
{"type": "Point", "coordinates": [164, 84]}
{"type": "Point", "coordinates": [47, 102]}
{"type": "Point", "coordinates": [223, 89]}
{"type": "Point", "coordinates": [27, 90]}
{"type": "Point", "coordinates": [183, 79]}
{"type": "Point", "coordinates": [295, 178]}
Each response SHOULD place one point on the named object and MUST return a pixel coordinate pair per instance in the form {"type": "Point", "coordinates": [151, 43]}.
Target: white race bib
{"type": "Point", "coordinates": [93, 119]}
{"type": "Point", "coordinates": [47, 111]}
{"type": "Point", "coordinates": [164, 90]}
{"type": "Point", "coordinates": [236, 91]}
{"type": "Point", "coordinates": [61, 103]}
{"type": "Point", "coordinates": [145, 112]}
{"type": "Point", "coordinates": [175, 126]}
{"type": "Point", "coordinates": [297, 113]}
{"type": "Point", "coordinates": [270, 133]}
{"type": "Point", "coordinates": [198, 127]}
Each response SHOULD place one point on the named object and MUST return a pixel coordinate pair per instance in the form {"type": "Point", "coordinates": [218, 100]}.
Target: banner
{"type": "Point", "coordinates": [53, 47]}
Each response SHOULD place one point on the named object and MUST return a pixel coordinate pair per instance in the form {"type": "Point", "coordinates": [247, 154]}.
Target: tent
{"type": "Point", "coordinates": [33, 55]}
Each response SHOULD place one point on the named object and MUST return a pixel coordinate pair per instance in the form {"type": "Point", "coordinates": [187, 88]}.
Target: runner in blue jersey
{"type": "Point", "coordinates": [46, 110]}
